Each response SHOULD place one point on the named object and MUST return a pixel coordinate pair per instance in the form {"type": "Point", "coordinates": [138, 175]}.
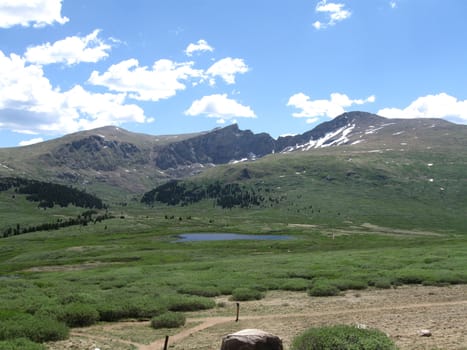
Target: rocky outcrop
{"type": "Point", "coordinates": [251, 339]}
{"type": "Point", "coordinates": [219, 146]}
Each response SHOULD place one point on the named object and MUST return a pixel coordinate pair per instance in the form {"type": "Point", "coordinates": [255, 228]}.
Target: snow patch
{"type": "Point", "coordinates": [325, 141]}
{"type": "Point", "coordinates": [238, 161]}
{"type": "Point", "coordinates": [251, 156]}
{"type": "Point", "coordinates": [357, 142]}
{"type": "Point", "coordinates": [372, 129]}
{"type": "Point", "coordinates": [398, 133]}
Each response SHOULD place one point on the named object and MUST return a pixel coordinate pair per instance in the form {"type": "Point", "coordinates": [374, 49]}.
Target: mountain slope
{"type": "Point", "coordinates": [109, 159]}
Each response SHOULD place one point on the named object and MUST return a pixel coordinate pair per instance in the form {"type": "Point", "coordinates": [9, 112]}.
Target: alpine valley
{"type": "Point", "coordinates": [358, 166]}
{"type": "Point", "coordinates": [91, 226]}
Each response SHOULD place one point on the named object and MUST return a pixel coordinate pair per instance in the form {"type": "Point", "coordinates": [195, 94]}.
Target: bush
{"type": "Point", "coordinates": [207, 291]}
{"type": "Point", "coordinates": [20, 344]}
{"type": "Point", "coordinates": [342, 338]}
{"type": "Point", "coordinates": [168, 320]}
{"type": "Point", "coordinates": [383, 283]}
{"type": "Point", "coordinates": [79, 315]}
{"type": "Point", "coordinates": [295, 284]}
{"type": "Point", "coordinates": [323, 289]}
{"type": "Point", "coordinates": [37, 329]}
{"type": "Point", "coordinates": [185, 303]}
{"type": "Point", "coordinates": [144, 307]}
{"type": "Point", "coordinates": [244, 294]}
{"type": "Point", "coordinates": [346, 284]}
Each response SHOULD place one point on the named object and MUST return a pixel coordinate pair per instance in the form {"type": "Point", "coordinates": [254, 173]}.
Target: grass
{"type": "Point", "coordinates": [372, 222]}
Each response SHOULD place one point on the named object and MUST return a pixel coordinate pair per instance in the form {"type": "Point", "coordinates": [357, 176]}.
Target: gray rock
{"type": "Point", "coordinates": [251, 339]}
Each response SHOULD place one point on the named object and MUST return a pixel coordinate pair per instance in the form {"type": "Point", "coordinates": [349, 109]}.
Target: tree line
{"type": "Point", "coordinates": [226, 195]}
{"type": "Point", "coordinates": [49, 194]}
{"type": "Point", "coordinates": [89, 216]}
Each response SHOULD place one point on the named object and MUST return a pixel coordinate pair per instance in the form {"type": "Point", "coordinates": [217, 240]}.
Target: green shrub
{"type": "Point", "coordinates": [244, 294]}
{"type": "Point", "coordinates": [20, 344]}
{"type": "Point", "coordinates": [37, 329]}
{"type": "Point", "coordinates": [79, 315]}
{"type": "Point", "coordinates": [323, 289]}
{"type": "Point", "coordinates": [119, 307]}
{"type": "Point", "coordinates": [111, 312]}
{"type": "Point", "coordinates": [295, 284]}
{"type": "Point", "coordinates": [189, 303]}
{"type": "Point", "coordinates": [346, 284]}
{"type": "Point", "coordinates": [207, 291]}
{"type": "Point", "coordinates": [168, 320]}
{"type": "Point", "coordinates": [382, 283]}
{"type": "Point", "coordinates": [342, 337]}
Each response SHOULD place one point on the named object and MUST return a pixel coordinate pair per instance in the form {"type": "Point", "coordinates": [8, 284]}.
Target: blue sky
{"type": "Point", "coordinates": [180, 66]}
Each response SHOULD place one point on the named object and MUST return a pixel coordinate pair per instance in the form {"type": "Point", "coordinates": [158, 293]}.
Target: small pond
{"type": "Point", "coordinates": [200, 237]}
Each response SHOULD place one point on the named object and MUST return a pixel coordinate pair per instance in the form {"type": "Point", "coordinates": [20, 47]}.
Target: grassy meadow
{"type": "Point", "coordinates": [355, 222]}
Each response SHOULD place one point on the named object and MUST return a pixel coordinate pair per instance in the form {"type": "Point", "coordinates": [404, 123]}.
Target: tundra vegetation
{"type": "Point", "coordinates": [342, 337]}
{"type": "Point", "coordinates": [372, 222]}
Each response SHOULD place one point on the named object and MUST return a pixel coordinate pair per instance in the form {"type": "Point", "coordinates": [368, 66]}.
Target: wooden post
{"type": "Point", "coordinates": [166, 342]}
{"type": "Point", "coordinates": [238, 311]}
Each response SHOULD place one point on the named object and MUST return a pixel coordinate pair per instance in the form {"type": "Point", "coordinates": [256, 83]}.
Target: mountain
{"type": "Point", "coordinates": [110, 159]}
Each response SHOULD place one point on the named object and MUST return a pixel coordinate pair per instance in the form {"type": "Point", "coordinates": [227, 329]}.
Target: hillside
{"type": "Point", "coordinates": [116, 163]}
{"type": "Point", "coordinates": [357, 169]}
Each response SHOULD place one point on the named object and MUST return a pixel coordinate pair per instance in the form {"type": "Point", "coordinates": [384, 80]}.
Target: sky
{"type": "Point", "coordinates": [180, 66]}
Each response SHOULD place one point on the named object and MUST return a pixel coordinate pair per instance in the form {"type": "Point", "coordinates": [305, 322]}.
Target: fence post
{"type": "Point", "coordinates": [166, 342]}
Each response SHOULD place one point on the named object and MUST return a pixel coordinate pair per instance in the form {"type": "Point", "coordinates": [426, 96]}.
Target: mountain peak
{"type": "Point", "coordinates": [359, 117]}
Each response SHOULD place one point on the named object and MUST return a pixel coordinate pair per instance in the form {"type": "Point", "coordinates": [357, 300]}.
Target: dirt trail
{"type": "Point", "coordinates": [213, 321]}
{"type": "Point", "coordinates": [206, 323]}
{"type": "Point", "coordinates": [401, 313]}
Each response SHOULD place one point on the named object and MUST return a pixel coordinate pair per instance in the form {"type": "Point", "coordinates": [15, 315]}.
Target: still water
{"type": "Point", "coordinates": [199, 237]}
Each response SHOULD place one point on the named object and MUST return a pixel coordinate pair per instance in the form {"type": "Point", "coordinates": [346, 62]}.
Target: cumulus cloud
{"type": "Point", "coordinates": [393, 4]}
{"type": "Point", "coordinates": [159, 82]}
{"type": "Point", "coordinates": [31, 141]}
{"type": "Point", "coordinates": [441, 105]}
{"type": "Point", "coordinates": [331, 108]}
{"type": "Point", "coordinates": [227, 68]}
{"type": "Point", "coordinates": [200, 46]}
{"type": "Point", "coordinates": [38, 13]}
{"type": "Point", "coordinates": [71, 50]}
{"type": "Point", "coordinates": [334, 12]}
{"type": "Point", "coordinates": [30, 104]}
{"type": "Point", "coordinates": [220, 107]}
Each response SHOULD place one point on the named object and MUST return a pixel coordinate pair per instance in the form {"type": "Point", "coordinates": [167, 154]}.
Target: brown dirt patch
{"type": "Point", "coordinates": [73, 267]}
{"type": "Point", "coordinates": [401, 313]}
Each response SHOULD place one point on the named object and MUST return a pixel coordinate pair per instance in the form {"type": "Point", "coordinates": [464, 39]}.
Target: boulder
{"type": "Point", "coordinates": [251, 339]}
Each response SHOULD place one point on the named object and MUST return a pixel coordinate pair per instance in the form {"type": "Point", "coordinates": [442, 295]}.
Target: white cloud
{"type": "Point", "coordinates": [220, 107]}
{"type": "Point", "coordinates": [393, 4]}
{"type": "Point", "coordinates": [39, 13]}
{"type": "Point", "coordinates": [441, 105]}
{"type": "Point", "coordinates": [335, 12]}
{"type": "Point", "coordinates": [317, 25]}
{"type": "Point", "coordinates": [227, 68]}
{"type": "Point", "coordinates": [30, 104]}
{"type": "Point", "coordinates": [70, 50]}
{"type": "Point", "coordinates": [201, 45]}
{"type": "Point", "coordinates": [331, 108]}
{"type": "Point", "coordinates": [31, 141]}
{"type": "Point", "coordinates": [161, 81]}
